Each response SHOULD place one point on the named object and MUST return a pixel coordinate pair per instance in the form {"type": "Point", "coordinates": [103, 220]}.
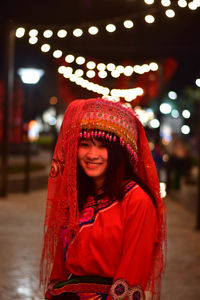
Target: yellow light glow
{"type": "Point", "coordinates": [20, 32]}
{"type": "Point", "coordinates": [80, 60]}
{"type": "Point", "coordinates": [101, 67]}
{"type": "Point", "coordinates": [62, 33]}
{"type": "Point", "coordinates": [149, 19]}
{"type": "Point", "coordinates": [182, 3]}
{"type": "Point", "coordinates": [93, 30]}
{"type": "Point", "coordinates": [68, 72]}
{"type": "Point", "coordinates": [77, 32]}
{"type": "Point", "coordinates": [192, 5]}
{"type": "Point", "coordinates": [128, 24]}
{"type": "Point", "coordinates": [79, 72]}
{"type": "Point", "coordinates": [153, 66]}
{"type": "Point", "coordinates": [149, 2]}
{"type": "Point", "coordinates": [145, 68]}
{"type": "Point", "coordinates": [90, 74]}
{"type": "Point", "coordinates": [137, 69]}
{"type": "Point", "coordinates": [170, 13]}
{"type": "Point", "coordinates": [61, 69]}
{"type": "Point", "coordinates": [45, 47]}
{"type": "Point", "coordinates": [115, 74]}
{"type": "Point", "coordinates": [110, 27]}
{"type": "Point", "coordinates": [91, 65]}
{"type": "Point", "coordinates": [166, 3]}
{"type": "Point", "coordinates": [102, 74]}
{"type": "Point", "coordinates": [48, 33]}
{"type": "Point", "coordinates": [120, 69]}
{"type": "Point", "coordinates": [57, 53]}
{"type": "Point", "coordinates": [110, 67]}
{"type": "Point", "coordinates": [69, 58]}
{"type": "Point", "coordinates": [128, 71]}
{"type": "Point", "coordinates": [33, 32]}
{"type": "Point", "coordinates": [33, 40]}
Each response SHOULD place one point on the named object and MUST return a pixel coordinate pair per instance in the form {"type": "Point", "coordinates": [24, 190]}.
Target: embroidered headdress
{"type": "Point", "coordinates": [91, 118]}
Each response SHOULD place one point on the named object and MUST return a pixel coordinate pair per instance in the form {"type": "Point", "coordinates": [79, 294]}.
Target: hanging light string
{"type": "Point", "coordinates": [111, 24]}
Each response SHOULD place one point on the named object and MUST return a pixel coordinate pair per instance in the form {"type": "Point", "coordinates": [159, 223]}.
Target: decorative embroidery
{"type": "Point", "coordinates": [56, 167]}
{"type": "Point", "coordinates": [120, 290]}
{"type": "Point", "coordinates": [136, 293]}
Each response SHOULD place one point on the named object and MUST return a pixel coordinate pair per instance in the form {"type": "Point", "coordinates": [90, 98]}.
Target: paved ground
{"type": "Point", "coordinates": [21, 219]}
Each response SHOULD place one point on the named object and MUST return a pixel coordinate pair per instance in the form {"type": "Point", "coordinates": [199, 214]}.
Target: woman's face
{"type": "Point", "coordinates": [93, 158]}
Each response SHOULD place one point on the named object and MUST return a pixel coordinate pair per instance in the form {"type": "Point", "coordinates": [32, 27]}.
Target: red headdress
{"type": "Point", "coordinates": [95, 117]}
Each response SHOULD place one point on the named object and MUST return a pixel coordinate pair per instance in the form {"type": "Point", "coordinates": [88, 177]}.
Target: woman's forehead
{"type": "Point", "coordinates": [92, 140]}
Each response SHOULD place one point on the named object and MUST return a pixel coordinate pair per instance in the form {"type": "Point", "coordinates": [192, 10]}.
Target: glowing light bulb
{"type": "Point", "coordinates": [91, 65]}
{"type": "Point", "coordinates": [45, 47]}
{"type": "Point", "coordinates": [80, 60]}
{"type": "Point", "coordinates": [57, 53]}
{"type": "Point", "coordinates": [172, 95]}
{"type": "Point", "coordinates": [33, 40]}
{"type": "Point", "coordinates": [101, 67]}
{"type": "Point", "coordinates": [69, 58]}
{"type": "Point", "coordinates": [186, 114]}
{"type": "Point", "coordinates": [77, 32]}
{"type": "Point", "coordinates": [68, 72]}
{"type": "Point", "coordinates": [110, 67]}
{"type": "Point", "coordinates": [62, 33]}
{"type": "Point", "coordinates": [149, 2]}
{"type": "Point", "coordinates": [170, 13]}
{"type": "Point", "coordinates": [153, 66]}
{"type": "Point", "coordinates": [79, 72]}
{"type": "Point", "coordinates": [48, 33]}
{"type": "Point", "coordinates": [128, 71]}
{"type": "Point", "coordinates": [154, 123]}
{"type": "Point", "coordinates": [197, 82]}
{"type": "Point", "coordinates": [33, 32]}
{"type": "Point", "coordinates": [165, 108]}
{"type": "Point", "coordinates": [149, 19]}
{"type": "Point", "coordinates": [185, 129]}
{"type": "Point", "coordinates": [166, 3]}
{"type": "Point", "coordinates": [110, 27]}
{"type": "Point", "coordinates": [175, 113]}
{"type": "Point", "coordinates": [20, 32]}
{"type": "Point", "coordinates": [128, 24]}
{"type": "Point", "coordinates": [90, 74]}
{"type": "Point", "coordinates": [61, 69]}
{"type": "Point", "coordinates": [182, 3]}
{"type": "Point", "coordinates": [102, 74]}
{"type": "Point", "coordinates": [93, 30]}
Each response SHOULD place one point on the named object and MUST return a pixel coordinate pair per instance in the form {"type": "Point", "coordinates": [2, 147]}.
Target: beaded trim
{"type": "Point", "coordinates": [87, 134]}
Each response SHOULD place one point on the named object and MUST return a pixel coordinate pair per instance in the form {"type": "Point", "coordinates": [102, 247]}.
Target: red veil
{"type": "Point", "coordinates": [62, 205]}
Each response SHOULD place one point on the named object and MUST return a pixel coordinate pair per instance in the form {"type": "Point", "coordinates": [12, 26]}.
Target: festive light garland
{"type": "Point", "coordinates": [76, 77]}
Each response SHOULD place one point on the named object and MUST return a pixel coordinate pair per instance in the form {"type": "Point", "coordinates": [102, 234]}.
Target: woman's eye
{"type": "Point", "coordinates": [84, 144]}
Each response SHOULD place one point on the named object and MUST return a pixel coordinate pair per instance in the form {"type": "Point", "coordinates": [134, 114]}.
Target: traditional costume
{"type": "Point", "coordinates": [112, 249]}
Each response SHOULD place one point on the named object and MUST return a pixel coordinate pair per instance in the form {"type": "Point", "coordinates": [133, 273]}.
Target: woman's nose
{"type": "Point", "coordinates": [92, 152]}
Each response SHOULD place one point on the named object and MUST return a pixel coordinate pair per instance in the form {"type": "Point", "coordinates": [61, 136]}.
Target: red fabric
{"type": "Point", "coordinates": [62, 210]}
{"type": "Point", "coordinates": [130, 225]}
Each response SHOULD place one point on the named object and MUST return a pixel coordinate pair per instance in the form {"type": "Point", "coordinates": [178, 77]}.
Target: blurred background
{"type": "Point", "coordinates": [144, 52]}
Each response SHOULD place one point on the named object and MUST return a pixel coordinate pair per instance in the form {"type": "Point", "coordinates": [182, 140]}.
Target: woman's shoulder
{"type": "Point", "coordinates": [135, 196]}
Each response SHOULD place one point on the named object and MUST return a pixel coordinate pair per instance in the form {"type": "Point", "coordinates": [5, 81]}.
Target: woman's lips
{"type": "Point", "coordinates": [92, 165]}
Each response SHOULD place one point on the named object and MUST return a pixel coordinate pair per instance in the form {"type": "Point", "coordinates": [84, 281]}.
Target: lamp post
{"type": "Point", "coordinates": [29, 76]}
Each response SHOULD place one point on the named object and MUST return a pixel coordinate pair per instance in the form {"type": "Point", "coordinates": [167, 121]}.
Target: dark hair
{"type": "Point", "coordinates": [119, 170]}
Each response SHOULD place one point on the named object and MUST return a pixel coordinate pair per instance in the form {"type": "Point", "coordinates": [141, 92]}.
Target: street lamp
{"type": "Point", "coordinates": [29, 76]}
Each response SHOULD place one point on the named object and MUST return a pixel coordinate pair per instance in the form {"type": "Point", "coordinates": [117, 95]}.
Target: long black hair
{"type": "Point", "coordinates": [119, 170]}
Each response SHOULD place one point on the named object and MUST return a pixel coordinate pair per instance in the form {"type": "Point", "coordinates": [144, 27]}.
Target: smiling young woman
{"type": "Point", "coordinates": [105, 234]}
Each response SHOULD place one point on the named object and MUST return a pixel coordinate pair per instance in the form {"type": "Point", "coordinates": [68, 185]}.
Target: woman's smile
{"type": "Point", "coordinates": [93, 158]}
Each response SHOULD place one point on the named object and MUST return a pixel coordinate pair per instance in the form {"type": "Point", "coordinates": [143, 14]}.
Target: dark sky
{"type": "Point", "coordinates": [178, 38]}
